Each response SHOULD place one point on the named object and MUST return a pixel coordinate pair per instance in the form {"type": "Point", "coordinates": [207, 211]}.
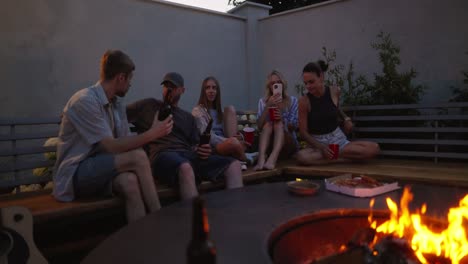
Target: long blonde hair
{"type": "Point", "coordinates": [268, 84]}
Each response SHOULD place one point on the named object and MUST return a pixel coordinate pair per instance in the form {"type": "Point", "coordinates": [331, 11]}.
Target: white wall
{"type": "Point", "coordinates": [51, 48]}
{"type": "Point", "coordinates": [432, 35]}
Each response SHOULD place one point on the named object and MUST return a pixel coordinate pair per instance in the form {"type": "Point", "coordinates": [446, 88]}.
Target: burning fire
{"type": "Point", "coordinates": [451, 243]}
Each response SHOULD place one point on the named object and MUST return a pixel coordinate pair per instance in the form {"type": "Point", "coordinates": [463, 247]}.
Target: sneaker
{"type": "Point", "coordinates": [243, 167]}
{"type": "Point", "coordinates": [251, 157]}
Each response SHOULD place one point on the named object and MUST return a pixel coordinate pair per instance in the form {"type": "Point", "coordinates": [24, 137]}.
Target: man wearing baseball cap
{"type": "Point", "coordinates": [177, 158]}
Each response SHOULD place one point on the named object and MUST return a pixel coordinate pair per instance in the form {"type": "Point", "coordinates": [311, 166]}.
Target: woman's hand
{"type": "Point", "coordinates": [273, 100]}
{"type": "Point", "coordinates": [326, 151]}
{"type": "Point", "coordinates": [278, 115]}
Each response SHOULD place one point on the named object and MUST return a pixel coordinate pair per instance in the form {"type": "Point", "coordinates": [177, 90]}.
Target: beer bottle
{"type": "Point", "coordinates": [200, 249]}
{"type": "Point", "coordinates": [206, 135]}
{"type": "Point", "coordinates": [166, 109]}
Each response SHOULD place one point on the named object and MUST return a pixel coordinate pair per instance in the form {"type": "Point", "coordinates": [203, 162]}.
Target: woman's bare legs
{"type": "Point", "coordinates": [230, 121]}
{"type": "Point", "coordinates": [263, 145]}
{"type": "Point", "coordinates": [278, 142]}
{"type": "Point", "coordinates": [360, 150]}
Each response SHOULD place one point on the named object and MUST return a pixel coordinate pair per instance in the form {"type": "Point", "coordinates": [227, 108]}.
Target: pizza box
{"type": "Point", "coordinates": [358, 191]}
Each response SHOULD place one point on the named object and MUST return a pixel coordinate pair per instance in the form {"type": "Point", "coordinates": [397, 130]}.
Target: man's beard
{"type": "Point", "coordinates": [174, 99]}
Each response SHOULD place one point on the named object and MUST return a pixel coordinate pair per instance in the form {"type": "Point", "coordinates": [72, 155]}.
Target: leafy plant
{"type": "Point", "coordinates": [393, 87]}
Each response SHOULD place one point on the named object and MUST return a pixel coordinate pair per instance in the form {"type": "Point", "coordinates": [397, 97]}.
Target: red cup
{"type": "Point", "coordinates": [249, 134]}
{"type": "Point", "coordinates": [272, 111]}
{"type": "Point", "coordinates": [335, 148]}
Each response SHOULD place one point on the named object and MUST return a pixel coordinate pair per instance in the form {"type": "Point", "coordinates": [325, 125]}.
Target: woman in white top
{"type": "Point", "coordinates": [224, 136]}
{"type": "Point", "coordinates": [281, 130]}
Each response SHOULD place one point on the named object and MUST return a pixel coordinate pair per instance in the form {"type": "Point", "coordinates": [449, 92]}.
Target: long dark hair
{"type": "Point", "coordinates": [203, 100]}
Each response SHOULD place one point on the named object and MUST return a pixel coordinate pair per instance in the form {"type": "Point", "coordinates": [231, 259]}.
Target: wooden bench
{"type": "Point", "coordinates": [431, 131]}
{"type": "Point", "coordinates": [22, 151]}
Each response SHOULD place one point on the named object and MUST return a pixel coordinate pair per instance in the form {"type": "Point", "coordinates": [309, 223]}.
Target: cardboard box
{"type": "Point", "coordinates": [359, 191]}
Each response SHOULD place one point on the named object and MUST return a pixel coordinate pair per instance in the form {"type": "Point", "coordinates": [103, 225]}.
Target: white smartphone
{"type": "Point", "coordinates": [278, 89]}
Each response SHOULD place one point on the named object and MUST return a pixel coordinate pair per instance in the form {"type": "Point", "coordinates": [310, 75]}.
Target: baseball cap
{"type": "Point", "coordinates": [174, 78]}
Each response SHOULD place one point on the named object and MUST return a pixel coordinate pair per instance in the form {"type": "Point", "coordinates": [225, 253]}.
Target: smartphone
{"type": "Point", "coordinates": [278, 89]}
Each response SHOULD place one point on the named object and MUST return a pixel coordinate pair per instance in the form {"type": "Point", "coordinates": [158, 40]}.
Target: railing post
{"type": "Point", "coordinates": [436, 138]}
{"type": "Point", "coordinates": [13, 147]}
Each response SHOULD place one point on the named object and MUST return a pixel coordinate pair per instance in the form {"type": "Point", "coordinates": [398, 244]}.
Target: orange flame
{"type": "Point", "coordinates": [451, 243]}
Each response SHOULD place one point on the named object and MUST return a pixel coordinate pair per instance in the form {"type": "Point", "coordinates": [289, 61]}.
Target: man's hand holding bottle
{"type": "Point", "coordinates": [161, 128]}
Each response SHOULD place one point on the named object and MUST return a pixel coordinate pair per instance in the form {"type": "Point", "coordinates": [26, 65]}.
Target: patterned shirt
{"type": "Point", "coordinates": [87, 118]}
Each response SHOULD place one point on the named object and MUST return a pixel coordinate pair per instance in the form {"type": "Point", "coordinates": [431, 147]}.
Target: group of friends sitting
{"type": "Point", "coordinates": [97, 155]}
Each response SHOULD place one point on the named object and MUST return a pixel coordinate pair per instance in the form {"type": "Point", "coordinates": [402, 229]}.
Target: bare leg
{"type": "Point", "coordinates": [230, 121]}
{"type": "Point", "coordinates": [126, 183]}
{"type": "Point", "coordinates": [278, 143]}
{"type": "Point", "coordinates": [263, 145]}
{"type": "Point", "coordinates": [187, 184]}
{"type": "Point", "coordinates": [231, 147]}
{"type": "Point", "coordinates": [233, 175]}
{"type": "Point", "coordinates": [310, 156]}
{"type": "Point", "coordinates": [137, 162]}
{"type": "Point", "coordinates": [360, 150]}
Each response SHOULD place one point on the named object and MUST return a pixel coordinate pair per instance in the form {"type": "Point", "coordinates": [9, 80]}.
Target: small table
{"type": "Point", "coordinates": [241, 221]}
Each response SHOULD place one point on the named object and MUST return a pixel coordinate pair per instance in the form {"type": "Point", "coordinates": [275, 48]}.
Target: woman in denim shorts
{"type": "Point", "coordinates": [319, 122]}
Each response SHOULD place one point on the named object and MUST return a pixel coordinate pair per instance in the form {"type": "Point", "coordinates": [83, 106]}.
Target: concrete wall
{"type": "Point", "coordinates": [51, 48]}
{"type": "Point", "coordinates": [433, 37]}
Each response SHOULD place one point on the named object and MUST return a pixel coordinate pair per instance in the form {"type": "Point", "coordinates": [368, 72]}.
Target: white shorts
{"type": "Point", "coordinates": [335, 137]}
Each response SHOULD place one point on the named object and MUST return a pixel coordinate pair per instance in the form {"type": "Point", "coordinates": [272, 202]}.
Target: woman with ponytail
{"type": "Point", "coordinates": [319, 122]}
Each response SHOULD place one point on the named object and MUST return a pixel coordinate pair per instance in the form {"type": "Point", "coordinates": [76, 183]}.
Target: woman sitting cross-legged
{"type": "Point", "coordinates": [224, 136]}
{"type": "Point", "coordinates": [318, 122]}
{"type": "Point", "coordinates": [280, 129]}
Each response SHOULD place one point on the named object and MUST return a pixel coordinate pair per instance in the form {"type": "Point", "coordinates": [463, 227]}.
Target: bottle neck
{"type": "Point", "coordinates": [200, 226]}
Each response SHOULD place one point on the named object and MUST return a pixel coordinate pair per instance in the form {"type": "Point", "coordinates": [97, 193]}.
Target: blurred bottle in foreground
{"type": "Point", "coordinates": [201, 249]}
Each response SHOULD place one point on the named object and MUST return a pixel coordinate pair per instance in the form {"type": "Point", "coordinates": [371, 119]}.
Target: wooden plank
{"type": "Point", "coordinates": [27, 165]}
{"type": "Point", "coordinates": [405, 106]}
{"type": "Point", "coordinates": [25, 181]}
{"type": "Point", "coordinates": [410, 117]}
{"type": "Point", "coordinates": [450, 155]}
{"type": "Point", "coordinates": [23, 136]}
{"type": "Point", "coordinates": [29, 121]}
{"type": "Point", "coordinates": [246, 112]}
{"type": "Point", "coordinates": [416, 141]}
{"type": "Point", "coordinates": [412, 129]}
{"type": "Point", "coordinates": [443, 173]}
{"type": "Point", "coordinates": [26, 151]}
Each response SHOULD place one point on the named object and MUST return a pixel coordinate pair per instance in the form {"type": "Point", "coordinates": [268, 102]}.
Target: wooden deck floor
{"type": "Point", "coordinates": [444, 173]}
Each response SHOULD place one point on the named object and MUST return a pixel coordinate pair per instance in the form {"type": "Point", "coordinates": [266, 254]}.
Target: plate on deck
{"type": "Point", "coordinates": [303, 187]}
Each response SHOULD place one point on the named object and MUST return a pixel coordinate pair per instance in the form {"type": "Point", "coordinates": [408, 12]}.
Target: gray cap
{"type": "Point", "coordinates": [174, 78]}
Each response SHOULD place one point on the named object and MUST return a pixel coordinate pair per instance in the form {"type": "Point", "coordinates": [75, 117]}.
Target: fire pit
{"type": "Point", "coordinates": [312, 237]}
{"type": "Point", "coordinates": [369, 236]}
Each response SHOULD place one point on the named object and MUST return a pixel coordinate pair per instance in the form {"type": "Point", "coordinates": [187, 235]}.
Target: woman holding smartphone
{"type": "Point", "coordinates": [319, 122]}
{"type": "Point", "coordinates": [224, 137]}
{"type": "Point", "coordinates": [278, 121]}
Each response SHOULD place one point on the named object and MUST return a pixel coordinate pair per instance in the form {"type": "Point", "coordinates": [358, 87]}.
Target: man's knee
{"type": "Point", "coordinates": [186, 172]}
{"type": "Point", "coordinates": [138, 157]}
{"type": "Point", "coordinates": [128, 184]}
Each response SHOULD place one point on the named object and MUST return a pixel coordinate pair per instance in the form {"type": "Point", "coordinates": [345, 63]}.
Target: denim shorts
{"type": "Point", "coordinates": [335, 137]}
{"type": "Point", "coordinates": [167, 163]}
{"type": "Point", "coordinates": [94, 176]}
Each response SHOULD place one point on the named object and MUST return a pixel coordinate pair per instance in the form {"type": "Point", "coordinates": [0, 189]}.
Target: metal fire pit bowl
{"type": "Point", "coordinates": [310, 237]}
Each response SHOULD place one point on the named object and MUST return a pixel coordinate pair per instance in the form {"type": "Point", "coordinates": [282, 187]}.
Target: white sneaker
{"type": "Point", "coordinates": [251, 157]}
{"type": "Point", "coordinates": [243, 167]}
